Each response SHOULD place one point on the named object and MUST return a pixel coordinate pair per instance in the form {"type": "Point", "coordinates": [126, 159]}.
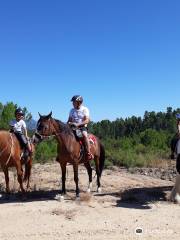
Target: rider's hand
{"type": "Point", "coordinates": [73, 124]}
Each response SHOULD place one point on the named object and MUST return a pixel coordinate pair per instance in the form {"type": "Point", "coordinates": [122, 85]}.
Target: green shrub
{"type": "Point", "coordinates": [45, 151]}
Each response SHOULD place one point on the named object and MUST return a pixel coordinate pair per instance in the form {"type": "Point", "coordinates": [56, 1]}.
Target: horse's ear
{"type": "Point", "coordinates": [49, 115]}
{"type": "Point", "coordinates": [39, 115]}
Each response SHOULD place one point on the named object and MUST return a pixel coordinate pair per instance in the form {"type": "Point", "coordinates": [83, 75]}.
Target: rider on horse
{"type": "Point", "coordinates": [79, 118]}
{"type": "Point", "coordinates": [176, 137]}
{"type": "Point", "coordinates": [18, 127]}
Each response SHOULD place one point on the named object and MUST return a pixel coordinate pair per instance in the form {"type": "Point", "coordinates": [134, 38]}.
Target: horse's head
{"type": "Point", "coordinates": [44, 127]}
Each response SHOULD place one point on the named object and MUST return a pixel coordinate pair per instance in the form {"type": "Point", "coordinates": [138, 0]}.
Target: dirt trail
{"type": "Point", "coordinates": [129, 203]}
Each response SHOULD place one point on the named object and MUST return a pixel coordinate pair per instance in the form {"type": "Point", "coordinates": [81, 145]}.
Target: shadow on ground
{"type": "Point", "coordinates": [139, 198]}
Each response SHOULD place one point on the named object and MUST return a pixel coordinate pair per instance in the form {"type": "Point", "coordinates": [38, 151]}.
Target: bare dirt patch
{"type": "Point", "coordinates": [131, 206]}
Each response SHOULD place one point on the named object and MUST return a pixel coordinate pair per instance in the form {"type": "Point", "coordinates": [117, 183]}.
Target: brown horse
{"type": "Point", "coordinates": [70, 150]}
{"type": "Point", "coordinates": [10, 156]}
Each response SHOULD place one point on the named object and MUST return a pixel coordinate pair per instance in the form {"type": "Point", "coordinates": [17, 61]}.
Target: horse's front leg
{"type": "Point", "coordinates": [6, 174]}
{"type": "Point", "coordinates": [98, 175]}
{"type": "Point", "coordinates": [75, 167]}
{"type": "Point", "coordinates": [63, 169]}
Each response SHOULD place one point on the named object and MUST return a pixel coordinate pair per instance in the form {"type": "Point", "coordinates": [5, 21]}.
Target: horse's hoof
{"type": "Point", "coordinates": [78, 198]}
{"type": "Point", "coordinates": [89, 187]}
{"type": "Point", "coordinates": [59, 197]}
{"type": "Point", "coordinates": [99, 190]}
{"type": "Point", "coordinates": [177, 198]}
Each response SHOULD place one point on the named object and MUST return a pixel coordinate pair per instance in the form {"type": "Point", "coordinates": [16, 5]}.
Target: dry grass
{"type": "Point", "coordinates": [160, 163]}
{"type": "Point", "coordinates": [85, 197]}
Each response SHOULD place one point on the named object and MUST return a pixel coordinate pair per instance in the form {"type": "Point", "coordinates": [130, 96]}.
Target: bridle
{"type": "Point", "coordinates": [43, 137]}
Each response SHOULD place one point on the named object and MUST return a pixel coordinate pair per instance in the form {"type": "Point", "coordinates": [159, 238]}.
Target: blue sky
{"type": "Point", "coordinates": [122, 56]}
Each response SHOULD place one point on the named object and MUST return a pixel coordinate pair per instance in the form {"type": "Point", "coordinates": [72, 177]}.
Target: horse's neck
{"type": "Point", "coordinates": [64, 135]}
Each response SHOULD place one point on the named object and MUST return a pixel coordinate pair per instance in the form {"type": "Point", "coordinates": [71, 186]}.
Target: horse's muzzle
{"type": "Point", "coordinates": [37, 138]}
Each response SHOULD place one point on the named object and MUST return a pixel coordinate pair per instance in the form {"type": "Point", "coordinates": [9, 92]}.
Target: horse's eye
{"type": "Point", "coordinates": [39, 126]}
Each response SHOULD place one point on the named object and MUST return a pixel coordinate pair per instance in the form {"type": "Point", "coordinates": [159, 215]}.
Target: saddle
{"type": "Point", "coordinates": [83, 152]}
{"type": "Point", "coordinates": [25, 152]}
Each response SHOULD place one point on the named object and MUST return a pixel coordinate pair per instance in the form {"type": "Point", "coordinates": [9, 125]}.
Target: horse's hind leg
{"type": "Point", "coordinates": [63, 169]}
{"type": "Point", "coordinates": [98, 175]}
{"type": "Point", "coordinates": [20, 175]}
{"type": "Point", "coordinates": [89, 170]}
{"type": "Point", "coordinates": [6, 174]}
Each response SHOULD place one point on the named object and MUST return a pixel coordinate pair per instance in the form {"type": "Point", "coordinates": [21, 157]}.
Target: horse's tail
{"type": "Point", "coordinates": [28, 165]}
{"type": "Point", "coordinates": [101, 158]}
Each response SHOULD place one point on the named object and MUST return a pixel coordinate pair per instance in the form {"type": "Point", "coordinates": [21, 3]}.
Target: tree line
{"type": "Point", "coordinates": [160, 121]}
{"type": "Point", "coordinates": [133, 141]}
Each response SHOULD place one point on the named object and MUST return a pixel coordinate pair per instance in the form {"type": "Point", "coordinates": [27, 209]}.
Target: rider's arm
{"type": "Point", "coordinates": [25, 133]}
{"type": "Point", "coordinates": [84, 122]}
{"type": "Point", "coordinates": [86, 119]}
{"type": "Point", "coordinates": [24, 129]}
{"type": "Point", "coordinates": [69, 120]}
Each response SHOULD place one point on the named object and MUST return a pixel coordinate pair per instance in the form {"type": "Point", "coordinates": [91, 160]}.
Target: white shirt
{"type": "Point", "coordinates": [18, 126]}
{"type": "Point", "coordinates": [178, 128]}
{"type": "Point", "coordinates": [78, 115]}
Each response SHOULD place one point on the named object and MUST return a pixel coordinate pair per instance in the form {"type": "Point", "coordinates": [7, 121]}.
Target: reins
{"type": "Point", "coordinates": [47, 136]}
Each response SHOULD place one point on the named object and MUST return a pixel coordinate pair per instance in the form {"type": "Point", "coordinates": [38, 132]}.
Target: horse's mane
{"type": "Point", "coordinates": [63, 127]}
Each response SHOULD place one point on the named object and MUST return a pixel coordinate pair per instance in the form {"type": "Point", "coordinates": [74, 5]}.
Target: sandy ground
{"type": "Point", "coordinates": [128, 204]}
